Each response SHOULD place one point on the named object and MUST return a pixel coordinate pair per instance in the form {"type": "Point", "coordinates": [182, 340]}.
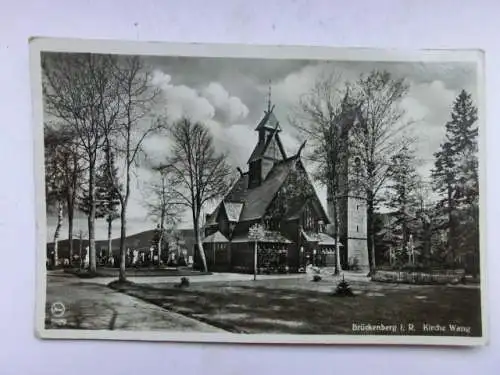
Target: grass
{"type": "Point", "coordinates": [273, 307]}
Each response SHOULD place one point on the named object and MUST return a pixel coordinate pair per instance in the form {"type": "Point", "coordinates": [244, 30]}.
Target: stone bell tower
{"type": "Point", "coordinates": [351, 199]}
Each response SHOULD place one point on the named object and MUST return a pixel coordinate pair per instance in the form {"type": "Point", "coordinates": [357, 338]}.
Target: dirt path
{"type": "Point", "coordinates": [92, 306]}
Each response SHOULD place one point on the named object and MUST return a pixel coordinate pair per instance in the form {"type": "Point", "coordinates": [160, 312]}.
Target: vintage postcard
{"type": "Point", "coordinates": [263, 194]}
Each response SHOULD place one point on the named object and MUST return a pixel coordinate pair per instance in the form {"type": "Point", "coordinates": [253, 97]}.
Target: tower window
{"type": "Point", "coordinates": [357, 228]}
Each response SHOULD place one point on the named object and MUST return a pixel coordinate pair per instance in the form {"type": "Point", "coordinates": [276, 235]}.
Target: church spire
{"type": "Point", "coordinates": [269, 98]}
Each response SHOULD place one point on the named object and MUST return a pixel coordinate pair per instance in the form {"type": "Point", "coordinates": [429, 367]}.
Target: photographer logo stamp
{"type": "Point", "coordinates": [57, 310]}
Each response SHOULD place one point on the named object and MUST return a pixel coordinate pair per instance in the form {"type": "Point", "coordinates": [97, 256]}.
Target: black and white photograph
{"type": "Point", "coordinates": [263, 194]}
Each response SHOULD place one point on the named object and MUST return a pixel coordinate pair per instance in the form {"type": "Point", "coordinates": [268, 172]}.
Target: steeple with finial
{"type": "Point", "coordinates": [269, 123]}
{"type": "Point", "coordinates": [269, 98]}
{"type": "Point", "coordinates": [269, 149]}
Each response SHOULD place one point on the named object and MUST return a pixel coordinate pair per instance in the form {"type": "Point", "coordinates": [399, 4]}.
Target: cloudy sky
{"type": "Point", "coordinates": [230, 95]}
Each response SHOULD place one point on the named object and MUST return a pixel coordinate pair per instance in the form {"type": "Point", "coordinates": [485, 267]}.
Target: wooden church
{"type": "Point", "coordinates": [275, 192]}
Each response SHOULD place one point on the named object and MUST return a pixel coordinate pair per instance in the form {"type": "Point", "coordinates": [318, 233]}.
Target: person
{"type": "Point", "coordinates": [135, 257]}
{"type": "Point", "coordinates": [86, 262]}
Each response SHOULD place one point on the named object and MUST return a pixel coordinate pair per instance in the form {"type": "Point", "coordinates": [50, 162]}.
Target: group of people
{"type": "Point", "coordinates": [145, 258]}
{"type": "Point", "coordinates": [133, 258]}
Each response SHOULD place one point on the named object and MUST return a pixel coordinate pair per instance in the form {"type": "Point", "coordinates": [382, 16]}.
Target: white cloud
{"type": "Point", "coordinates": [232, 106]}
{"type": "Point", "coordinates": [288, 90]}
{"type": "Point", "coordinates": [182, 100]}
{"type": "Point", "coordinates": [236, 141]}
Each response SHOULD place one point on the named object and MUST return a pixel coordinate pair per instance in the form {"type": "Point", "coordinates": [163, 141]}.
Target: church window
{"type": "Point", "coordinates": [357, 228]}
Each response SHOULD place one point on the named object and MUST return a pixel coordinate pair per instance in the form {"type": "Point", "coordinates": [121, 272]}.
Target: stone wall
{"type": "Point", "coordinates": [431, 277]}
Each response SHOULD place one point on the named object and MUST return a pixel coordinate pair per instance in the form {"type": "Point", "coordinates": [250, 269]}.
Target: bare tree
{"type": "Point", "coordinates": [324, 117]}
{"type": "Point", "coordinates": [54, 196]}
{"type": "Point", "coordinates": [129, 130]}
{"type": "Point", "coordinates": [107, 193]}
{"type": "Point", "coordinates": [200, 173]}
{"type": "Point", "coordinates": [378, 136]}
{"type": "Point", "coordinates": [160, 201]}
{"type": "Point", "coordinates": [63, 176]}
{"type": "Point", "coordinates": [79, 92]}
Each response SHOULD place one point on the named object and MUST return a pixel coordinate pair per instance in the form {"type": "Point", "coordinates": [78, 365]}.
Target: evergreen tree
{"type": "Point", "coordinates": [84, 200]}
{"type": "Point", "coordinates": [107, 182]}
{"type": "Point", "coordinates": [455, 175]}
{"type": "Point", "coordinates": [402, 198]}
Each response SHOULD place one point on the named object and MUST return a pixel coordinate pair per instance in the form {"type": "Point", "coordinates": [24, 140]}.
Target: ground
{"type": "Point", "coordinates": [93, 306]}
{"type": "Point", "coordinates": [272, 304]}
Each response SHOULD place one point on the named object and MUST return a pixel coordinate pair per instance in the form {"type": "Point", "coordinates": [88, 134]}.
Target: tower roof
{"type": "Point", "coordinates": [261, 147]}
{"type": "Point", "coordinates": [269, 121]}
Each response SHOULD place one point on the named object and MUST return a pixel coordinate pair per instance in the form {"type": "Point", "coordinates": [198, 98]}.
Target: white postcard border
{"type": "Point", "coordinates": [39, 44]}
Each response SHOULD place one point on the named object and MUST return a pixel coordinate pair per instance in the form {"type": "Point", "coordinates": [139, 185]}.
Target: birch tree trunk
{"type": "Point", "coordinates": [162, 230]}
{"type": "Point", "coordinates": [110, 233]}
{"type": "Point", "coordinates": [371, 229]}
{"type": "Point", "coordinates": [123, 234]}
{"type": "Point", "coordinates": [338, 265]}
{"type": "Point", "coordinates": [123, 216]}
{"type": "Point", "coordinates": [199, 244]}
{"type": "Point", "coordinates": [70, 234]}
{"type": "Point", "coordinates": [334, 214]}
{"type": "Point", "coordinates": [160, 244]}
{"type": "Point", "coordinates": [91, 220]}
{"type": "Point", "coordinates": [57, 232]}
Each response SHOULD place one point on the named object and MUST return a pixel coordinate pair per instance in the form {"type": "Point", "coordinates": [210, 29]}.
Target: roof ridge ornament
{"type": "Point", "coordinates": [301, 148]}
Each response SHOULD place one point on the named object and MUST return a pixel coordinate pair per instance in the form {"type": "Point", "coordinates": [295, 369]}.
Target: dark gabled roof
{"type": "Point", "coordinates": [257, 200]}
{"type": "Point", "coordinates": [253, 203]}
{"type": "Point", "coordinates": [233, 210]}
{"type": "Point", "coordinates": [216, 237]}
{"type": "Point", "coordinates": [261, 147]}
{"type": "Point", "coordinates": [258, 151]}
{"type": "Point", "coordinates": [295, 207]}
{"type": "Point", "coordinates": [269, 121]}
{"type": "Point", "coordinates": [212, 218]}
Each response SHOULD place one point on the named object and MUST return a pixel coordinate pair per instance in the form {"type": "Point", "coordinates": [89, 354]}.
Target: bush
{"type": "Point", "coordinates": [316, 278]}
{"type": "Point", "coordinates": [184, 283]}
{"type": "Point", "coordinates": [343, 289]}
